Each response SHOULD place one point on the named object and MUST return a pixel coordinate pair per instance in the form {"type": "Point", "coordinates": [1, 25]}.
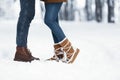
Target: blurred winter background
{"type": "Point", "coordinates": [91, 25]}
{"type": "Point", "coordinates": [80, 10]}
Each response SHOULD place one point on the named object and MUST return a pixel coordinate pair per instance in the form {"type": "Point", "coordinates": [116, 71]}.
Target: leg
{"type": "Point", "coordinates": [64, 44]}
{"type": "Point", "coordinates": [51, 16]}
{"type": "Point", "coordinates": [51, 19]}
{"type": "Point", "coordinates": [26, 15]}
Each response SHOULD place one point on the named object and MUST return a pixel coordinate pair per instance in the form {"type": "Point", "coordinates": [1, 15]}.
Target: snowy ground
{"type": "Point", "coordinates": [99, 58]}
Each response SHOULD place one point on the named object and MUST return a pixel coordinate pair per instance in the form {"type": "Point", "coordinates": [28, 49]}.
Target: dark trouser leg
{"type": "Point", "coordinates": [26, 15]}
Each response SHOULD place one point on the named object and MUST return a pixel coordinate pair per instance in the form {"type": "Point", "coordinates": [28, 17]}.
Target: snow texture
{"type": "Point", "coordinates": [99, 58]}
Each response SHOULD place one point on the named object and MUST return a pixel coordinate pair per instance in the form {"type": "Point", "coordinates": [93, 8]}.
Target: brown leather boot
{"type": "Point", "coordinates": [24, 54]}
{"type": "Point", "coordinates": [70, 52]}
{"type": "Point", "coordinates": [59, 54]}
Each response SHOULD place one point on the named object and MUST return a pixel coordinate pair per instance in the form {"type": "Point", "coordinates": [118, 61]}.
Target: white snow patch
{"type": "Point", "coordinates": [99, 58]}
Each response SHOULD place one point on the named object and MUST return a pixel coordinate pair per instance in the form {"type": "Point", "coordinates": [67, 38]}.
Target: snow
{"type": "Point", "coordinates": [99, 58]}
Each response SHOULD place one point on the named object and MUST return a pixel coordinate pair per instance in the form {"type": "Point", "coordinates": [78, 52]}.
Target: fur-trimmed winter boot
{"type": "Point", "coordinates": [23, 54]}
{"type": "Point", "coordinates": [70, 52]}
{"type": "Point", "coordinates": [59, 54]}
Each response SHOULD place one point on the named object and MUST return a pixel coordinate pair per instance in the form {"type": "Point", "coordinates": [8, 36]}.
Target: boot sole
{"type": "Point", "coordinates": [74, 56]}
{"type": "Point", "coordinates": [19, 60]}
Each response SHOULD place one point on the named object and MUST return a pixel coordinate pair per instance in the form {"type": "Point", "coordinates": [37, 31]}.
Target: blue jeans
{"type": "Point", "coordinates": [52, 21]}
{"type": "Point", "coordinates": [25, 17]}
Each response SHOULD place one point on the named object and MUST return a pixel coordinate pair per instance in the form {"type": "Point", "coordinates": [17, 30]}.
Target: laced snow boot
{"type": "Point", "coordinates": [59, 54]}
{"type": "Point", "coordinates": [71, 53]}
{"type": "Point", "coordinates": [23, 54]}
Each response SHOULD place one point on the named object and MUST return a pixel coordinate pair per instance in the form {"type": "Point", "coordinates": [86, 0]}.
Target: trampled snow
{"type": "Point", "coordinates": [99, 58]}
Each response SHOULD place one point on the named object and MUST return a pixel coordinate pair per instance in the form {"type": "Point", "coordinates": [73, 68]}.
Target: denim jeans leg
{"type": "Point", "coordinates": [54, 37]}
{"type": "Point", "coordinates": [25, 17]}
{"type": "Point", "coordinates": [51, 16]}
